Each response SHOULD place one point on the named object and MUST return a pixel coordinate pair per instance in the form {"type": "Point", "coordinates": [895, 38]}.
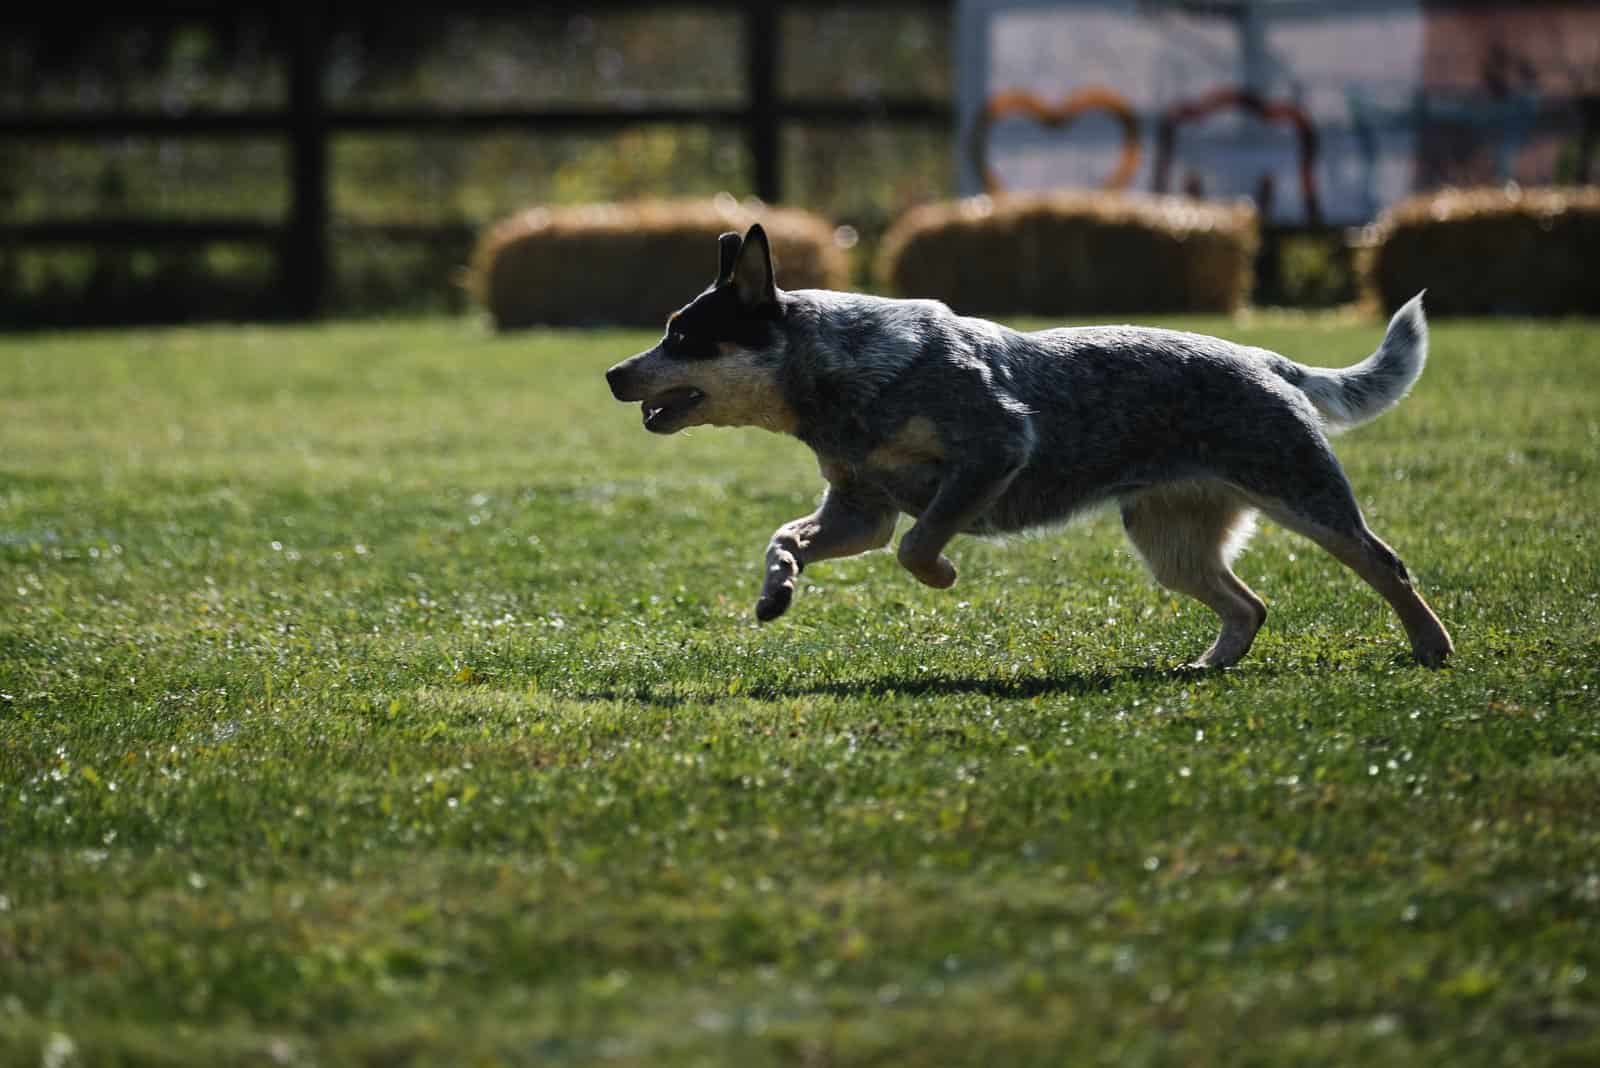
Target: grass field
{"type": "Point", "coordinates": [383, 694]}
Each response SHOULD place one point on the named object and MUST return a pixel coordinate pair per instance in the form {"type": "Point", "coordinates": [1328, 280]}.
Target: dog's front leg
{"type": "Point", "coordinates": [962, 496]}
{"type": "Point", "coordinates": [847, 523]}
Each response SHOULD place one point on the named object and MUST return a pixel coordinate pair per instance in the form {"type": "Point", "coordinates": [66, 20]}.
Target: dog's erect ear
{"type": "Point", "coordinates": [727, 255]}
{"type": "Point", "coordinates": [752, 271]}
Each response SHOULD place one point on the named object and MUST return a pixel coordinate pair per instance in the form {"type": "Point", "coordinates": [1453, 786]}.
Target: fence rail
{"type": "Point", "coordinates": [467, 121]}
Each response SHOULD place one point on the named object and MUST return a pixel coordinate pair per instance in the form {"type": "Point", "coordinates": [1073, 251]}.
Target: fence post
{"type": "Point", "coordinates": [761, 82]}
{"type": "Point", "coordinates": [1588, 135]}
{"type": "Point", "coordinates": [303, 260]}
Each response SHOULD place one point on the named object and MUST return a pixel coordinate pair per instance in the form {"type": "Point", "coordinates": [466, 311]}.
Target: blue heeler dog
{"type": "Point", "coordinates": [970, 427]}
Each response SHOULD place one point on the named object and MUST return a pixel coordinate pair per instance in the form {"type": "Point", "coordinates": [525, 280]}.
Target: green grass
{"type": "Point", "coordinates": [383, 694]}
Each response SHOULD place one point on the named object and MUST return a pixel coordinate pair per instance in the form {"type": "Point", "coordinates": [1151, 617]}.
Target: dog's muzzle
{"type": "Point", "coordinates": [664, 410]}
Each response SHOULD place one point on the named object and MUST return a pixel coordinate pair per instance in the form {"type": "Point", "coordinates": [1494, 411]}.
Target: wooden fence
{"type": "Point", "coordinates": [302, 240]}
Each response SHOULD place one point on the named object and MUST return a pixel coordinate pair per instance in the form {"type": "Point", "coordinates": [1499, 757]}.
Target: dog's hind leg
{"type": "Point", "coordinates": [1315, 499]}
{"type": "Point", "coordinates": [1345, 535]}
{"type": "Point", "coordinates": [1188, 534]}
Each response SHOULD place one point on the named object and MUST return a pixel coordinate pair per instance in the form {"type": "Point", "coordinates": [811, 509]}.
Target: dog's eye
{"type": "Point", "coordinates": [676, 340]}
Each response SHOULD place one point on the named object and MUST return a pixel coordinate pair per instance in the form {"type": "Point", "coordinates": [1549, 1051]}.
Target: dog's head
{"type": "Point", "coordinates": [718, 361]}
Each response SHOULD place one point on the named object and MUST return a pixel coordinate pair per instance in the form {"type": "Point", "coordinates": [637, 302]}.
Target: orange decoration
{"type": "Point", "coordinates": [1013, 103]}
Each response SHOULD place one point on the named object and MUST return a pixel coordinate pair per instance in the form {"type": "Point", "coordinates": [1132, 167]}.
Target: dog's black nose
{"type": "Point", "coordinates": [617, 378]}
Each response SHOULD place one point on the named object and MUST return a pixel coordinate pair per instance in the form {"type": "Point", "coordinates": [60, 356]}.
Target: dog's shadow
{"type": "Point", "coordinates": [1015, 687]}
{"type": "Point", "coordinates": [1019, 686]}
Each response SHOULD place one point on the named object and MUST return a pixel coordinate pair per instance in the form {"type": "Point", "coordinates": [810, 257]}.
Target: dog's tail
{"type": "Point", "coordinates": [1350, 396]}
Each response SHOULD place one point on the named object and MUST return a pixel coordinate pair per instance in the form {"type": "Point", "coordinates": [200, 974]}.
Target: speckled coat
{"type": "Point", "coordinates": [971, 427]}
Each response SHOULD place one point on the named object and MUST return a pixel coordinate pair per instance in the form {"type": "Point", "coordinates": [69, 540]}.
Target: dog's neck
{"type": "Point", "coordinates": [844, 350]}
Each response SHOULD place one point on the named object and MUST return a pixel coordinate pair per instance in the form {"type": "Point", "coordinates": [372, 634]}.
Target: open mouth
{"type": "Point", "coordinates": [664, 412]}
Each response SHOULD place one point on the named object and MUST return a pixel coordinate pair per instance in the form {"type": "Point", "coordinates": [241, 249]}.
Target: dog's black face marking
{"type": "Point", "coordinates": [684, 346]}
{"type": "Point", "coordinates": [714, 318]}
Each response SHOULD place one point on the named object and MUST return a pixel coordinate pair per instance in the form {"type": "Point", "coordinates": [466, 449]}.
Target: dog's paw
{"type": "Point", "coordinates": [777, 589]}
{"type": "Point", "coordinates": [774, 602]}
{"type": "Point", "coordinates": [1433, 655]}
{"type": "Point", "coordinates": [939, 572]}
{"type": "Point", "coordinates": [919, 554]}
{"type": "Point", "coordinates": [1431, 643]}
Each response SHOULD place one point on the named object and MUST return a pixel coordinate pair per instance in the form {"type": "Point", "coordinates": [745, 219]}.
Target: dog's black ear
{"type": "Point", "coordinates": [727, 255]}
{"type": "Point", "coordinates": [752, 271]}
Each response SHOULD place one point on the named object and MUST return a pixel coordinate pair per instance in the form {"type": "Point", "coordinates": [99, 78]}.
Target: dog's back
{"type": "Point", "coordinates": [1114, 409]}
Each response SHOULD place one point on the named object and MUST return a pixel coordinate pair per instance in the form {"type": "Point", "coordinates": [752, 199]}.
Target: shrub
{"type": "Point", "coordinates": [1489, 251]}
{"type": "Point", "coordinates": [1067, 253]}
{"type": "Point", "coordinates": [633, 263]}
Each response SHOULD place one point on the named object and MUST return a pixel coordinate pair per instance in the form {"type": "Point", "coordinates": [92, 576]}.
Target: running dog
{"type": "Point", "coordinates": [970, 427]}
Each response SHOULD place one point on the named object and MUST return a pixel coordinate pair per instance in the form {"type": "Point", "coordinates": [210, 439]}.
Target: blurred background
{"type": "Point", "coordinates": [271, 161]}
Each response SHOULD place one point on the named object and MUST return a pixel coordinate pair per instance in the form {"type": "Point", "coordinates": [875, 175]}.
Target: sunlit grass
{"type": "Point", "coordinates": [384, 694]}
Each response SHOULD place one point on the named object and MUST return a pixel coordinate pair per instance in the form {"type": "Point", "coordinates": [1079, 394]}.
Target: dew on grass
{"type": "Point", "coordinates": [59, 1051]}
{"type": "Point", "coordinates": [711, 1020]}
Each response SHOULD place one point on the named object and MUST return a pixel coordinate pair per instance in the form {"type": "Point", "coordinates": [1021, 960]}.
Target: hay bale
{"type": "Point", "coordinates": [1499, 251]}
{"type": "Point", "coordinates": [1073, 253]}
{"type": "Point", "coordinates": [633, 263]}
